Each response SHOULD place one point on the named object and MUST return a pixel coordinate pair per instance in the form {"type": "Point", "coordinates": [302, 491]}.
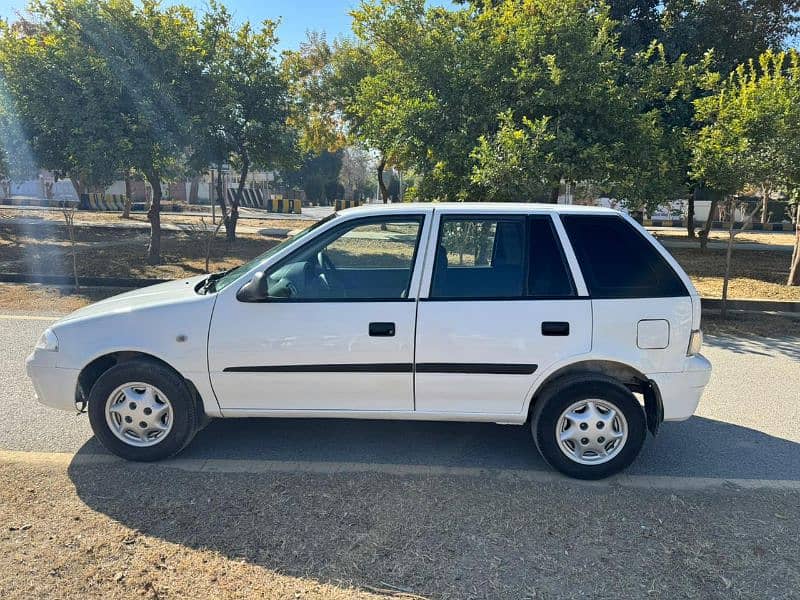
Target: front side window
{"type": "Point", "coordinates": [367, 259]}
{"type": "Point", "coordinates": [617, 261]}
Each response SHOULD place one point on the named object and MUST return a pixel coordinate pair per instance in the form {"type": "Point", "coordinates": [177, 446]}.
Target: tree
{"type": "Point", "coordinates": [318, 176]}
{"type": "Point", "coordinates": [247, 106]}
{"type": "Point", "coordinates": [436, 91]}
{"type": "Point", "coordinates": [58, 106]}
{"type": "Point", "coordinates": [155, 55]}
{"type": "Point", "coordinates": [514, 164]}
{"type": "Point", "coordinates": [106, 86]}
{"type": "Point", "coordinates": [751, 128]}
{"type": "Point", "coordinates": [354, 173]}
{"type": "Point", "coordinates": [721, 33]}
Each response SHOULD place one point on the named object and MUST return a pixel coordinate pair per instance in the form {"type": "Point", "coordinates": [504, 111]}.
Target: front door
{"type": "Point", "coordinates": [337, 333]}
{"type": "Point", "coordinates": [502, 308]}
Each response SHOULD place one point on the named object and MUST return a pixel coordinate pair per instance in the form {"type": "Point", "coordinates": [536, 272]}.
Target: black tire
{"type": "Point", "coordinates": [562, 393]}
{"type": "Point", "coordinates": [185, 419]}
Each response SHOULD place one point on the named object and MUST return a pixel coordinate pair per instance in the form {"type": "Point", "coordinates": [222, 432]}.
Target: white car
{"type": "Point", "coordinates": [572, 320]}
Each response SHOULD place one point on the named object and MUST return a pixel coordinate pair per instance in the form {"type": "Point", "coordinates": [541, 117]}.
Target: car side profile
{"type": "Point", "coordinates": [571, 320]}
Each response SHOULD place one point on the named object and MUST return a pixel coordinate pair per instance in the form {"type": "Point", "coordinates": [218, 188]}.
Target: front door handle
{"type": "Point", "coordinates": [555, 328]}
{"type": "Point", "coordinates": [381, 329]}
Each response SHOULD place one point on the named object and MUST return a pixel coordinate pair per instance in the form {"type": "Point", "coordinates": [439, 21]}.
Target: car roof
{"type": "Point", "coordinates": [479, 207]}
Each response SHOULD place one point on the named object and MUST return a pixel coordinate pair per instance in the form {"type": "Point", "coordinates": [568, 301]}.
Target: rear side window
{"type": "Point", "coordinates": [480, 258]}
{"type": "Point", "coordinates": [617, 261]}
{"type": "Point", "coordinates": [500, 257]}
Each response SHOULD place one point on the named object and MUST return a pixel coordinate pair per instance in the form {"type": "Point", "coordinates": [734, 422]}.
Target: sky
{"type": "Point", "coordinates": [297, 16]}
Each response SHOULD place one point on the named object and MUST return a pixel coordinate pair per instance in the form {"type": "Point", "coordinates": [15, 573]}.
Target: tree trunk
{"type": "Point", "coordinates": [80, 187]}
{"type": "Point", "coordinates": [554, 191]}
{"type": "Point", "coordinates": [707, 225]}
{"type": "Point", "coordinates": [690, 212]}
{"type": "Point", "coordinates": [220, 193]}
{"type": "Point", "coordinates": [233, 217]}
{"type": "Point", "coordinates": [764, 203]}
{"type": "Point", "coordinates": [194, 189]}
{"type": "Point", "coordinates": [69, 218]}
{"type": "Point", "coordinates": [731, 234]}
{"type": "Point", "coordinates": [154, 216]}
{"type": "Point", "coordinates": [381, 183]}
{"type": "Point", "coordinates": [794, 271]}
{"type": "Point", "coordinates": [126, 212]}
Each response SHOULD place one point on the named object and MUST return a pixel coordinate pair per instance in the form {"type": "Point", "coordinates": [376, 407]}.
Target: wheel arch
{"type": "Point", "coordinates": [629, 376]}
{"type": "Point", "coordinates": [93, 370]}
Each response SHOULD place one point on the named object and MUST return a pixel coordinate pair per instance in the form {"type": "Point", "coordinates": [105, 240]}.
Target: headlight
{"type": "Point", "coordinates": [48, 341]}
{"type": "Point", "coordinates": [695, 343]}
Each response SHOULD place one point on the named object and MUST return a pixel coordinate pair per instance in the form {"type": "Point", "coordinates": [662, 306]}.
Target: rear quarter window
{"type": "Point", "coordinates": [617, 261]}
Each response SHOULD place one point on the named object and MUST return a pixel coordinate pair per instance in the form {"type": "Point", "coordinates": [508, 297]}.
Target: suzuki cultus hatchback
{"type": "Point", "coordinates": [571, 320]}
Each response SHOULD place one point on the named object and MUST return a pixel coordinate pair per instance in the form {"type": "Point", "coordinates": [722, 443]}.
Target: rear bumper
{"type": "Point", "coordinates": [54, 386]}
{"type": "Point", "coordinates": [681, 392]}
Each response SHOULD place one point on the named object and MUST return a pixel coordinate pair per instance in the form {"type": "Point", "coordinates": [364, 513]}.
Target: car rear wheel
{"type": "Point", "coordinates": [142, 410]}
{"type": "Point", "coordinates": [588, 426]}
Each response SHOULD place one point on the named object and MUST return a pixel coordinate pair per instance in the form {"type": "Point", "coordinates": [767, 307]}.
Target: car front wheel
{"type": "Point", "coordinates": [588, 426]}
{"type": "Point", "coordinates": [142, 410]}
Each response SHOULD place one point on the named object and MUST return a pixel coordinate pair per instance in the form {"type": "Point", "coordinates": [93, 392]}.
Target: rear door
{"type": "Point", "coordinates": [500, 308]}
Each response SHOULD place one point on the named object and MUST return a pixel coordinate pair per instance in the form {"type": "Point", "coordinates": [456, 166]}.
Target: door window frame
{"type": "Point", "coordinates": [416, 265]}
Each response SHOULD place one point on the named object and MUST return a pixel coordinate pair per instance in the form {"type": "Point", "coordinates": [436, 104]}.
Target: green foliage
{"type": "Point", "coordinates": [246, 102]}
{"type": "Point", "coordinates": [318, 176]}
{"type": "Point", "coordinates": [502, 100]}
{"type": "Point", "coordinates": [243, 118]}
{"type": "Point", "coordinates": [752, 125]}
{"type": "Point", "coordinates": [515, 165]}
{"type": "Point", "coordinates": [58, 112]}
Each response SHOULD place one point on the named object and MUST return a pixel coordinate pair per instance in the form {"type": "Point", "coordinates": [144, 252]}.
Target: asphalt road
{"type": "Point", "coordinates": [747, 425]}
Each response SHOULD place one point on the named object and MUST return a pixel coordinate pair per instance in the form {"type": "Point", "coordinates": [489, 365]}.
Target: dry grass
{"type": "Point", "coordinates": [121, 253]}
{"type": "Point", "coordinates": [747, 324]}
{"type": "Point", "coordinates": [760, 237]}
{"type": "Point", "coordinates": [41, 299]}
{"type": "Point", "coordinates": [754, 273]}
{"type": "Point", "coordinates": [124, 531]}
{"type": "Point", "coordinates": [175, 218]}
{"type": "Point", "coordinates": [54, 546]}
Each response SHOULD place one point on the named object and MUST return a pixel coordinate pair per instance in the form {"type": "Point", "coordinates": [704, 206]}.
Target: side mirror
{"type": "Point", "coordinates": [255, 290]}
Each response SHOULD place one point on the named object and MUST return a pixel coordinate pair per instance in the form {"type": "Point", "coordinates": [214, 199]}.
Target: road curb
{"type": "Point", "coordinates": [753, 305]}
{"type": "Point", "coordinates": [112, 282]}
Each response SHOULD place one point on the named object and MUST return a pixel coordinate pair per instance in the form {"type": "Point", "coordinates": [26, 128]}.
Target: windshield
{"type": "Point", "coordinates": [234, 274]}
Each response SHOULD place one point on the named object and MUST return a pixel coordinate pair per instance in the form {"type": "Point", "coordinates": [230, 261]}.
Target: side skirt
{"type": "Point", "coordinates": [500, 418]}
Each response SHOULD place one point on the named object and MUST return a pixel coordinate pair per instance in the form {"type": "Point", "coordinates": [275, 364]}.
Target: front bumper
{"type": "Point", "coordinates": [54, 386]}
{"type": "Point", "coordinates": [681, 392]}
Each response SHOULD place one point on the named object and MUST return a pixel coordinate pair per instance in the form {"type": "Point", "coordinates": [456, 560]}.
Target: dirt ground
{"type": "Point", "coordinates": [121, 253]}
{"type": "Point", "coordinates": [760, 237]}
{"type": "Point", "coordinates": [44, 300]}
{"type": "Point", "coordinates": [749, 324]}
{"type": "Point", "coordinates": [55, 216]}
{"type": "Point", "coordinates": [754, 273]}
{"type": "Point", "coordinates": [124, 531]}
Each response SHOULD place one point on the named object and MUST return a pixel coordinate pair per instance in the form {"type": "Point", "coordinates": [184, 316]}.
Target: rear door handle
{"type": "Point", "coordinates": [555, 328]}
{"type": "Point", "coordinates": [381, 329]}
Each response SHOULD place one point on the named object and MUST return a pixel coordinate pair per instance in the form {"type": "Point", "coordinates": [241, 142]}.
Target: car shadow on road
{"type": "Point", "coordinates": [763, 346]}
{"type": "Point", "coordinates": [446, 534]}
{"type": "Point", "coordinates": [699, 447]}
